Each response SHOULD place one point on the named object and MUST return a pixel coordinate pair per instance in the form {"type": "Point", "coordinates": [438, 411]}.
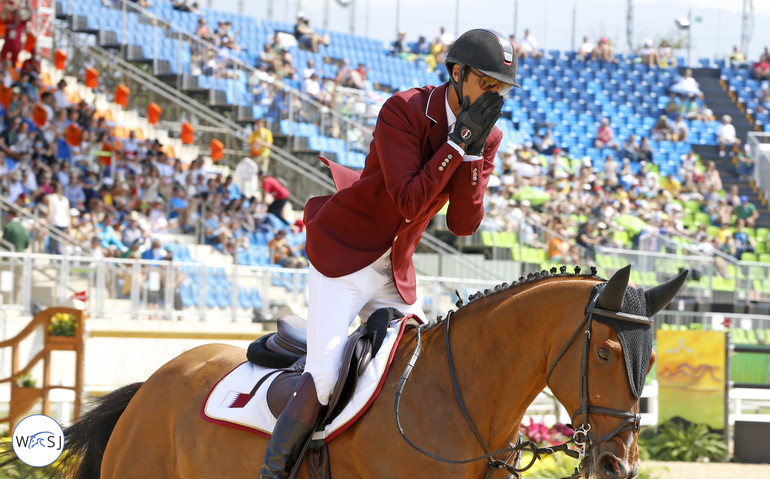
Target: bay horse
{"type": "Point", "coordinates": [506, 345]}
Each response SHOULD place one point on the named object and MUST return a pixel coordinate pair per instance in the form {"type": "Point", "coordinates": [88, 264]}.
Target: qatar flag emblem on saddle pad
{"type": "Point", "coordinates": [231, 402]}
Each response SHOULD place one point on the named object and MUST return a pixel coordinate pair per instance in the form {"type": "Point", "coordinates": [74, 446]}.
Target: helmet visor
{"type": "Point", "coordinates": [488, 83]}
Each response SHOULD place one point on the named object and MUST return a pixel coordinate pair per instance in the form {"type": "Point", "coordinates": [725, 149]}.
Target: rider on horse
{"type": "Point", "coordinates": [431, 145]}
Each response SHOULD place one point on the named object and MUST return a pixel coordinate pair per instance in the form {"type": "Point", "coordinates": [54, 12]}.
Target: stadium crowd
{"type": "Point", "coordinates": [63, 161]}
{"type": "Point", "coordinates": [122, 196]}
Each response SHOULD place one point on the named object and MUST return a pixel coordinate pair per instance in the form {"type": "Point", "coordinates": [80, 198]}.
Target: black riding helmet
{"type": "Point", "coordinates": [487, 51]}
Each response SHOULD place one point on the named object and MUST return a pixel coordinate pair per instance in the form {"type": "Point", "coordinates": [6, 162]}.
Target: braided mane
{"type": "Point", "coordinates": [530, 278]}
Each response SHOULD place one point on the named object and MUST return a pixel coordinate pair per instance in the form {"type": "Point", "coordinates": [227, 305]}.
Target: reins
{"type": "Point", "coordinates": [580, 437]}
{"type": "Point", "coordinates": [512, 462]}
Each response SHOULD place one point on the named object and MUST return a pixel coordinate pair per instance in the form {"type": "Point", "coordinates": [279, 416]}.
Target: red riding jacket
{"type": "Point", "coordinates": [410, 173]}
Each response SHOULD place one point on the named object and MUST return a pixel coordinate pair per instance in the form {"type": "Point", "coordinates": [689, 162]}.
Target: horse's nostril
{"type": "Point", "coordinates": [610, 467]}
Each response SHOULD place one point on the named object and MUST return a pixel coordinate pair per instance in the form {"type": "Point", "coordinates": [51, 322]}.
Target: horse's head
{"type": "Point", "coordinates": [599, 373]}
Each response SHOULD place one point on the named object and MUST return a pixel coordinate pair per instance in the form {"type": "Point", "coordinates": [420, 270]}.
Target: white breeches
{"type": "Point", "coordinates": [333, 304]}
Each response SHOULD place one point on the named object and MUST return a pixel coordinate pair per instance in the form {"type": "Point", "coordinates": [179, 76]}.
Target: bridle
{"type": "Point", "coordinates": [581, 436]}
{"type": "Point", "coordinates": [631, 420]}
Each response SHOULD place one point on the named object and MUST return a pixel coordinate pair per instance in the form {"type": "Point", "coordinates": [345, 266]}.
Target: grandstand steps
{"type": "Point", "coordinates": [721, 103]}
{"type": "Point", "coordinates": [142, 57]}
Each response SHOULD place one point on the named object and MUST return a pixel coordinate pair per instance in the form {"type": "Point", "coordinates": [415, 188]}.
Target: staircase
{"type": "Point", "coordinates": [717, 98]}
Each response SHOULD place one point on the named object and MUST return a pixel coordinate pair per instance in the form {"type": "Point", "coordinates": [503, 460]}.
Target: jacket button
{"type": "Point", "coordinates": [449, 156]}
{"type": "Point", "coordinates": [408, 221]}
{"type": "Point", "coordinates": [440, 168]}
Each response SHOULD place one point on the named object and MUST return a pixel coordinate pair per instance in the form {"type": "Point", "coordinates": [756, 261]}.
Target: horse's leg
{"type": "Point", "coordinates": [162, 435]}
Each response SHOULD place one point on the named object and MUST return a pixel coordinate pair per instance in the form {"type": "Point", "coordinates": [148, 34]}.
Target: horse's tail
{"type": "Point", "coordinates": [86, 440]}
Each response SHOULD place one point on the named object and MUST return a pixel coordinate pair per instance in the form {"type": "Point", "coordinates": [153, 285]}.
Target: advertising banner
{"type": "Point", "coordinates": [691, 376]}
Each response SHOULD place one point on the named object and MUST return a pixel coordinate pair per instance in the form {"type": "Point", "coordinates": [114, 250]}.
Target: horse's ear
{"type": "Point", "coordinates": [615, 289]}
{"type": "Point", "coordinates": [659, 296]}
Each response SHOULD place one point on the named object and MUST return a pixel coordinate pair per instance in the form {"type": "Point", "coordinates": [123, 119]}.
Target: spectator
{"type": "Point", "coordinates": [311, 86]}
{"type": "Point", "coordinates": [157, 219]}
{"type": "Point", "coordinates": [399, 46]}
{"type": "Point", "coordinates": [604, 136]}
{"type": "Point", "coordinates": [15, 233]}
{"type": "Point", "coordinates": [354, 78]}
{"type": "Point", "coordinates": [75, 194]}
{"type": "Point", "coordinates": [309, 69]}
{"type": "Point", "coordinates": [282, 254]}
{"type": "Point", "coordinates": [58, 215]}
{"type": "Point", "coordinates": [133, 252]}
{"type": "Point", "coordinates": [559, 250]}
{"type": "Point", "coordinates": [156, 251]}
{"type": "Point", "coordinates": [132, 233]}
{"type": "Point", "coordinates": [585, 50]}
{"type": "Point", "coordinates": [278, 192]}
{"type": "Point", "coordinates": [747, 212]}
{"type": "Point", "coordinates": [672, 185]}
{"type": "Point", "coordinates": [284, 65]}
{"type": "Point", "coordinates": [15, 187]}
{"type": "Point", "coordinates": [650, 56]}
{"type": "Point", "coordinates": [679, 129]}
{"type": "Point", "coordinates": [686, 85]}
{"type": "Point", "coordinates": [185, 6]}
{"type": "Point", "coordinates": [260, 141]}
{"type": "Point", "coordinates": [604, 51]}
{"type": "Point", "coordinates": [666, 55]}
{"type": "Point", "coordinates": [743, 242]}
{"type": "Point", "coordinates": [674, 106]}
{"type": "Point", "coordinates": [761, 69]}
{"type": "Point", "coordinates": [108, 236]}
{"type": "Point", "coordinates": [268, 58]}
{"type": "Point", "coordinates": [528, 47]}
{"type": "Point", "coordinates": [661, 130]}
{"type": "Point", "coordinates": [745, 162]}
{"type": "Point", "coordinates": [712, 180]}
{"type": "Point", "coordinates": [15, 26]}
{"type": "Point", "coordinates": [630, 150]}
{"type": "Point", "coordinates": [203, 31]}
{"type": "Point", "coordinates": [227, 38]}
{"type": "Point", "coordinates": [445, 38]}
{"type": "Point", "coordinates": [726, 135]}
{"type": "Point", "coordinates": [737, 58]}
{"type": "Point", "coordinates": [31, 65]}
{"type": "Point", "coordinates": [543, 142]}
{"type": "Point", "coordinates": [589, 239]}
{"type": "Point", "coordinates": [645, 150]}
{"type": "Point", "coordinates": [307, 38]}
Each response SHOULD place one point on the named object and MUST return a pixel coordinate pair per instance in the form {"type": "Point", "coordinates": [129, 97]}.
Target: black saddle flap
{"type": "Point", "coordinates": [361, 347]}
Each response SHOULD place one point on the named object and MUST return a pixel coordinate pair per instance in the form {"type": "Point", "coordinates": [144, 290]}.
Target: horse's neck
{"type": "Point", "coordinates": [500, 353]}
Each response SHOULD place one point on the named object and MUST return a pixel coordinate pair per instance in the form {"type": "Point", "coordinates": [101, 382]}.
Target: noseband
{"type": "Point", "coordinates": [631, 420]}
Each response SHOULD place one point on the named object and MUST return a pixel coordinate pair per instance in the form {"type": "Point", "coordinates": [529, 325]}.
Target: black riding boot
{"type": "Point", "coordinates": [294, 425]}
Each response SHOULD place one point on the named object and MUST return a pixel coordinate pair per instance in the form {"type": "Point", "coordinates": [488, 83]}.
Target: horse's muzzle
{"type": "Point", "coordinates": [606, 465]}
{"type": "Point", "coordinates": [609, 466]}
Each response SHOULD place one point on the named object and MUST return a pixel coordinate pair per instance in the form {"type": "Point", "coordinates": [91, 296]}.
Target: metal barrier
{"type": "Point", "coordinates": [175, 290]}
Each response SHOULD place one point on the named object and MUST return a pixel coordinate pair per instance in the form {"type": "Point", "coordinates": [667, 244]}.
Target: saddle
{"type": "Point", "coordinates": [286, 349]}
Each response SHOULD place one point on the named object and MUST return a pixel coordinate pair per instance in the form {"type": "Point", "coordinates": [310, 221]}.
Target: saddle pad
{"type": "Point", "coordinates": [220, 406]}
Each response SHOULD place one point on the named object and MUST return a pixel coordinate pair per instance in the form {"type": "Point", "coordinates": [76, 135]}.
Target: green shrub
{"type": "Point", "coordinates": [677, 441]}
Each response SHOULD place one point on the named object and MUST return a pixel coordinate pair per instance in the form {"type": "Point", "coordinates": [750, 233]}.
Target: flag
{"type": "Point", "coordinates": [80, 296]}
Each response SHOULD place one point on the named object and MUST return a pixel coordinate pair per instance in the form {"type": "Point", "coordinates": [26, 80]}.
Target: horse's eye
{"type": "Point", "coordinates": [603, 354]}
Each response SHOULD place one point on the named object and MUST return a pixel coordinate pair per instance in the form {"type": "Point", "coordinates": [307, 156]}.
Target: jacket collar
{"type": "Point", "coordinates": [435, 110]}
